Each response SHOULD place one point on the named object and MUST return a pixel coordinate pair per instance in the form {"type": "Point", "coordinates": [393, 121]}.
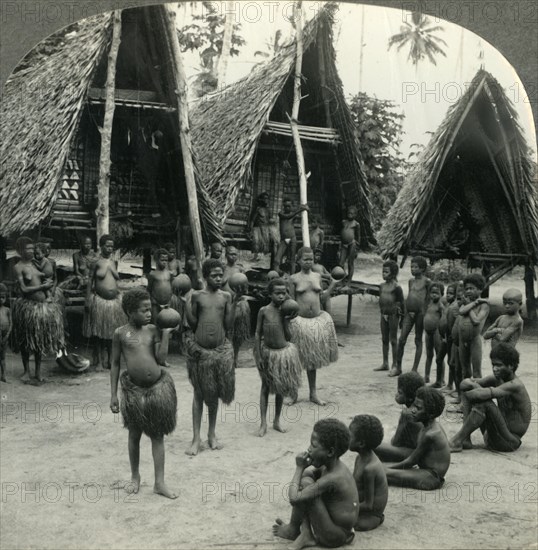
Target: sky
{"type": "Point", "coordinates": [423, 94]}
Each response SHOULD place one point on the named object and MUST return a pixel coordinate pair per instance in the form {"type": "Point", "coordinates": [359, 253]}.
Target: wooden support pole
{"type": "Point", "coordinates": [103, 187]}
{"type": "Point", "coordinates": [185, 138]}
{"type": "Point", "coordinates": [298, 18]}
{"type": "Point", "coordinates": [323, 78]}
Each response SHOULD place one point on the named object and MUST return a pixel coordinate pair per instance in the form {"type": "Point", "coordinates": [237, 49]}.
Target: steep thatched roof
{"type": "Point", "coordinates": [472, 188]}
{"type": "Point", "coordinates": [226, 126]}
{"type": "Point", "coordinates": [40, 111]}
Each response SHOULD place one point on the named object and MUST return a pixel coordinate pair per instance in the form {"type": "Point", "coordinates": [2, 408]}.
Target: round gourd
{"type": "Point", "coordinates": [168, 318]}
{"type": "Point", "coordinates": [181, 284]}
{"type": "Point", "coordinates": [237, 280]}
{"type": "Point", "coordinates": [289, 307]}
{"type": "Point", "coordinates": [338, 273]}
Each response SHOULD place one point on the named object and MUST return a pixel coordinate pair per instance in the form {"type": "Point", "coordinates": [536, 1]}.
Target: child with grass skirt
{"type": "Point", "coordinates": [312, 331]}
{"type": "Point", "coordinates": [38, 326]}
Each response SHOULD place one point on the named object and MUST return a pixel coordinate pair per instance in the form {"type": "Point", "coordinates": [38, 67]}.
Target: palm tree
{"type": "Point", "coordinates": [420, 37]}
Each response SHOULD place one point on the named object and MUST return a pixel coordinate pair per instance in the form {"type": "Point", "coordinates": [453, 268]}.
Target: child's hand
{"type": "Point", "coordinates": [114, 405]}
{"type": "Point", "coordinates": [303, 460]}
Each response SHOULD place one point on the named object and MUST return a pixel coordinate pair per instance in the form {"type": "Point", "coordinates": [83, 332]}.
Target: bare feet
{"type": "Point", "coordinates": [285, 530]}
{"type": "Point", "coordinates": [304, 540]}
{"type": "Point", "coordinates": [315, 399]}
{"type": "Point", "coordinates": [384, 366]}
{"type": "Point", "coordinates": [263, 430]}
{"type": "Point", "coordinates": [162, 489]}
{"type": "Point", "coordinates": [214, 444]}
{"type": "Point", "coordinates": [395, 372]}
{"type": "Point", "coordinates": [456, 446]}
{"type": "Point", "coordinates": [25, 377]}
{"type": "Point", "coordinates": [194, 448]}
{"type": "Point", "coordinates": [133, 486]}
{"type": "Point", "coordinates": [278, 427]}
{"type": "Point", "coordinates": [99, 368]}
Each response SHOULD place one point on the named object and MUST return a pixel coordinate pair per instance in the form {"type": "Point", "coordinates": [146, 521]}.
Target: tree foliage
{"type": "Point", "coordinates": [379, 130]}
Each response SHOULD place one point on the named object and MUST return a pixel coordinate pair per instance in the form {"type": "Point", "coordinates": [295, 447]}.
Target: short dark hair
{"type": "Point", "coordinates": [409, 383]}
{"type": "Point", "coordinates": [333, 433]}
{"type": "Point", "coordinates": [434, 401]}
{"type": "Point", "coordinates": [104, 239]}
{"type": "Point", "coordinates": [169, 245]}
{"type": "Point", "coordinates": [304, 250]}
{"type": "Point", "coordinates": [439, 286]}
{"type": "Point", "coordinates": [420, 261]}
{"type": "Point", "coordinates": [41, 246]}
{"type": "Point", "coordinates": [453, 286]}
{"type": "Point", "coordinates": [160, 252]}
{"type": "Point", "coordinates": [506, 353]}
{"type": "Point", "coordinates": [368, 429]}
{"type": "Point", "coordinates": [476, 280]}
{"type": "Point", "coordinates": [208, 265]}
{"type": "Point", "coordinates": [132, 298]}
{"type": "Point", "coordinates": [393, 267]}
{"type": "Point", "coordinates": [22, 243]}
{"type": "Point", "coordinates": [277, 281]}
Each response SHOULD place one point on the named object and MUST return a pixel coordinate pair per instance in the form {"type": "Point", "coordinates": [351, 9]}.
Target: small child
{"type": "Point", "coordinates": [502, 424]}
{"type": "Point", "coordinates": [277, 359]}
{"type": "Point", "coordinates": [83, 260]}
{"type": "Point", "coordinates": [391, 304]}
{"type": "Point", "coordinates": [174, 266]}
{"type": "Point", "coordinates": [507, 328]}
{"type": "Point", "coordinates": [366, 435]}
{"type": "Point", "coordinates": [288, 239]}
{"type": "Point", "coordinates": [325, 499]}
{"type": "Point", "coordinates": [404, 440]}
{"type": "Point", "coordinates": [445, 329]}
{"type": "Point", "coordinates": [148, 394]}
{"type": "Point", "coordinates": [317, 235]}
{"type": "Point", "coordinates": [432, 321]}
{"type": "Point", "coordinates": [350, 237]}
{"type": "Point", "coordinates": [415, 307]}
{"type": "Point", "coordinates": [432, 454]}
{"type": "Point", "coordinates": [264, 234]}
{"type": "Point", "coordinates": [5, 329]}
{"type": "Point", "coordinates": [215, 251]}
{"type": "Point", "coordinates": [44, 265]}
{"type": "Point", "coordinates": [317, 267]}
{"type": "Point", "coordinates": [473, 317]}
{"type": "Point", "coordinates": [454, 359]}
{"type": "Point", "coordinates": [160, 284]}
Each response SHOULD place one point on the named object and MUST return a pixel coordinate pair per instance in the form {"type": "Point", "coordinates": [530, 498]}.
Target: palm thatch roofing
{"type": "Point", "coordinates": [41, 108]}
{"type": "Point", "coordinates": [472, 189]}
{"type": "Point", "coordinates": [227, 125]}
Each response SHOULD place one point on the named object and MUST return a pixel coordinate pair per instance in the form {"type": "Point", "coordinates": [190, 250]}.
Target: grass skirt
{"type": "Point", "coordinates": [211, 371]}
{"type": "Point", "coordinates": [152, 409]}
{"type": "Point", "coordinates": [37, 326]}
{"type": "Point", "coordinates": [315, 339]}
{"type": "Point", "coordinates": [104, 317]}
{"type": "Point", "coordinates": [279, 369]}
{"type": "Point", "coordinates": [241, 328]}
{"type": "Point", "coordinates": [265, 238]}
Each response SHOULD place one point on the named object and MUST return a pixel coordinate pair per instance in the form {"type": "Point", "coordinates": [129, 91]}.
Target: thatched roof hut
{"type": "Point", "coordinates": [471, 194]}
{"type": "Point", "coordinates": [242, 138]}
{"type": "Point", "coordinates": [51, 113]}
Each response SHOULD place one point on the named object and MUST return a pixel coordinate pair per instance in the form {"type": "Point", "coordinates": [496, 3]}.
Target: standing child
{"type": "Point", "coordinates": [265, 235]}
{"type": "Point", "coordinates": [432, 454]}
{"type": "Point", "coordinates": [415, 306]}
{"type": "Point", "coordinates": [324, 500]}
{"type": "Point", "coordinates": [174, 266]}
{"type": "Point", "coordinates": [473, 317]}
{"type": "Point", "coordinates": [209, 353]}
{"type": "Point", "coordinates": [445, 332]}
{"type": "Point", "coordinates": [350, 237]}
{"type": "Point", "coordinates": [454, 360]}
{"type": "Point", "coordinates": [432, 321]}
{"type": "Point", "coordinates": [366, 435]}
{"type": "Point", "coordinates": [5, 329]}
{"type": "Point", "coordinates": [317, 267]}
{"type": "Point", "coordinates": [391, 304]}
{"type": "Point", "coordinates": [148, 394]}
{"type": "Point", "coordinates": [278, 362]}
{"type": "Point", "coordinates": [317, 235]}
{"type": "Point", "coordinates": [83, 261]}
{"type": "Point", "coordinates": [215, 251]}
{"type": "Point", "coordinates": [160, 284]}
{"type": "Point", "coordinates": [507, 328]}
{"type": "Point", "coordinates": [288, 239]}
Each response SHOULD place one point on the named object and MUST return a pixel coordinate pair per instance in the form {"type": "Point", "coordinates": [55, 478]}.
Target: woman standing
{"type": "Point", "coordinates": [38, 326]}
{"type": "Point", "coordinates": [103, 313]}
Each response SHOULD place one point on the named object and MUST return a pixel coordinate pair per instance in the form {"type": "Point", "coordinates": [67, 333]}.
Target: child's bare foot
{"type": "Point", "coordinates": [304, 540]}
{"type": "Point", "coordinates": [131, 487]}
{"type": "Point", "coordinates": [25, 377]}
{"type": "Point", "coordinates": [162, 489]}
{"type": "Point", "coordinates": [316, 400]}
{"type": "Point", "coordinates": [194, 448]}
{"type": "Point", "coordinates": [278, 427]}
{"type": "Point", "coordinates": [285, 530]}
{"type": "Point", "coordinates": [395, 372]}
{"type": "Point", "coordinates": [214, 444]}
{"type": "Point", "coordinates": [263, 430]}
{"type": "Point", "coordinates": [384, 366]}
{"type": "Point", "coordinates": [447, 389]}
{"type": "Point", "coordinates": [99, 368]}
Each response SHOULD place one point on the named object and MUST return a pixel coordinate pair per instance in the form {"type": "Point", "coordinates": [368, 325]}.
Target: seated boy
{"type": "Point", "coordinates": [425, 468]}
{"type": "Point", "coordinates": [502, 425]}
{"type": "Point", "coordinates": [404, 440]}
{"type": "Point", "coordinates": [366, 435]}
{"type": "Point", "coordinates": [508, 327]}
{"type": "Point", "coordinates": [325, 499]}
{"type": "Point", "coordinates": [148, 394]}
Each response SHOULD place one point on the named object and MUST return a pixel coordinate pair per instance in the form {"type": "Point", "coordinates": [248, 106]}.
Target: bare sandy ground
{"type": "Point", "coordinates": [61, 449]}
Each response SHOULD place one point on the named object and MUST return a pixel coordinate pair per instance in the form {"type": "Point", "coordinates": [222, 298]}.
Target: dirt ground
{"type": "Point", "coordinates": [62, 449]}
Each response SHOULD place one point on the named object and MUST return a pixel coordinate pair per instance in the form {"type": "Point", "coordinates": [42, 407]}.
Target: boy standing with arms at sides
{"type": "Point", "coordinates": [277, 360]}
{"type": "Point", "coordinates": [366, 435]}
{"type": "Point", "coordinates": [508, 327]}
{"type": "Point", "coordinates": [210, 314]}
{"type": "Point", "coordinates": [502, 425]}
{"type": "Point", "coordinates": [350, 237]}
{"type": "Point", "coordinates": [391, 304]}
{"type": "Point", "coordinates": [432, 322]}
{"type": "Point", "coordinates": [160, 284]}
{"type": "Point", "coordinates": [473, 316]}
{"type": "Point", "coordinates": [415, 306]}
{"type": "Point", "coordinates": [445, 328]}
{"type": "Point", "coordinates": [432, 454]}
{"type": "Point", "coordinates": [317, 235]}
{"type": "Point", "coordinates": [148, 395]}
{"type": "Point", "coordinates": [174, 265]}
{"type": "Point", "coordinates": [325, 500]}
{"type": "Point", "coordinates": [404, 440]}
{"type": "Point", "coordinates": [288, 239]}
{"type": "Point", "coordinates": [5, 329]}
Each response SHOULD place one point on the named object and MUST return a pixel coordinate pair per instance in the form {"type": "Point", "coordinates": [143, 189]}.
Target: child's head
{"type": "Point", "coordinates": [47, 245]}
{"type": "Point", "coordinates": [408, 384]}
{"type": "Point", "coordinates": [3, 294]}
{"type": "Point", "coordinates": [460, 292]}
{"type": "Point", "coordinates": [351, 212]}
{"type": "Point", "coordinates": [171, 250]}
{"type": "Point", "coordinates": [504, 359]}
{"type": "Point", "coordinates": [436, 291]}
{"type": "Point", "coordinates": [39, 251]}
{"type": "Point", "coordinates": [216, 250]}
{"type": "Point", "coordinates": [429, 404]}
{"type": "Point", "coordinates": [366, 433]}
{"type": "Point", "coordinates": [278, 290]}
{"type": "Point", "coordinates": [512, 301]}
{"type": "Point", "coordinates": [390, 270]}
{"type": "Point", "coordinates": [419, 265]}
{"type": "Point", "coordinates": [286, 205]}
{"type": "Point", "coordinates": [231, 254]}
{"type": "Point", "coordinates": [212, 272]}
{"type": "Point", "coordinates": [451, 292]}
{"type": "Point", "coordinates": [25, 247]}
{"type": "Point", "coordinates": [161, 258]}
{"type": "Point", "coordinates": [329, 441]}
{"type": "Point", "coordinates": [314, 222]}
{"type": "Point", "coordinates": [136, 304]}
{"type": "Point", "coordinates": [473, 285]}
{"type": "Point", "coordinates": [318, 253]}
{"type": "Point", "coordinates": [263, 199]}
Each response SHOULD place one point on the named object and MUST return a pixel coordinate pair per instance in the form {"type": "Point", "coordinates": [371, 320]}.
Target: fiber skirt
{"type": "Point", "coordinates": [279, 369]}
{"type": "Point", "coordinates": [265, 237]}
{"type": "Point", "coordinates": [37, 326]}
{"type": "Point", "coordinates": [151, 410]}
{"type": "Point", "coordinates": [211, 371]}
{"type": "Point", "coordinates": [103, 318]}
{"type": "Point", "coordinates": [315, 339]}
{"type": "Point", "coordinates": [241, 328]}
